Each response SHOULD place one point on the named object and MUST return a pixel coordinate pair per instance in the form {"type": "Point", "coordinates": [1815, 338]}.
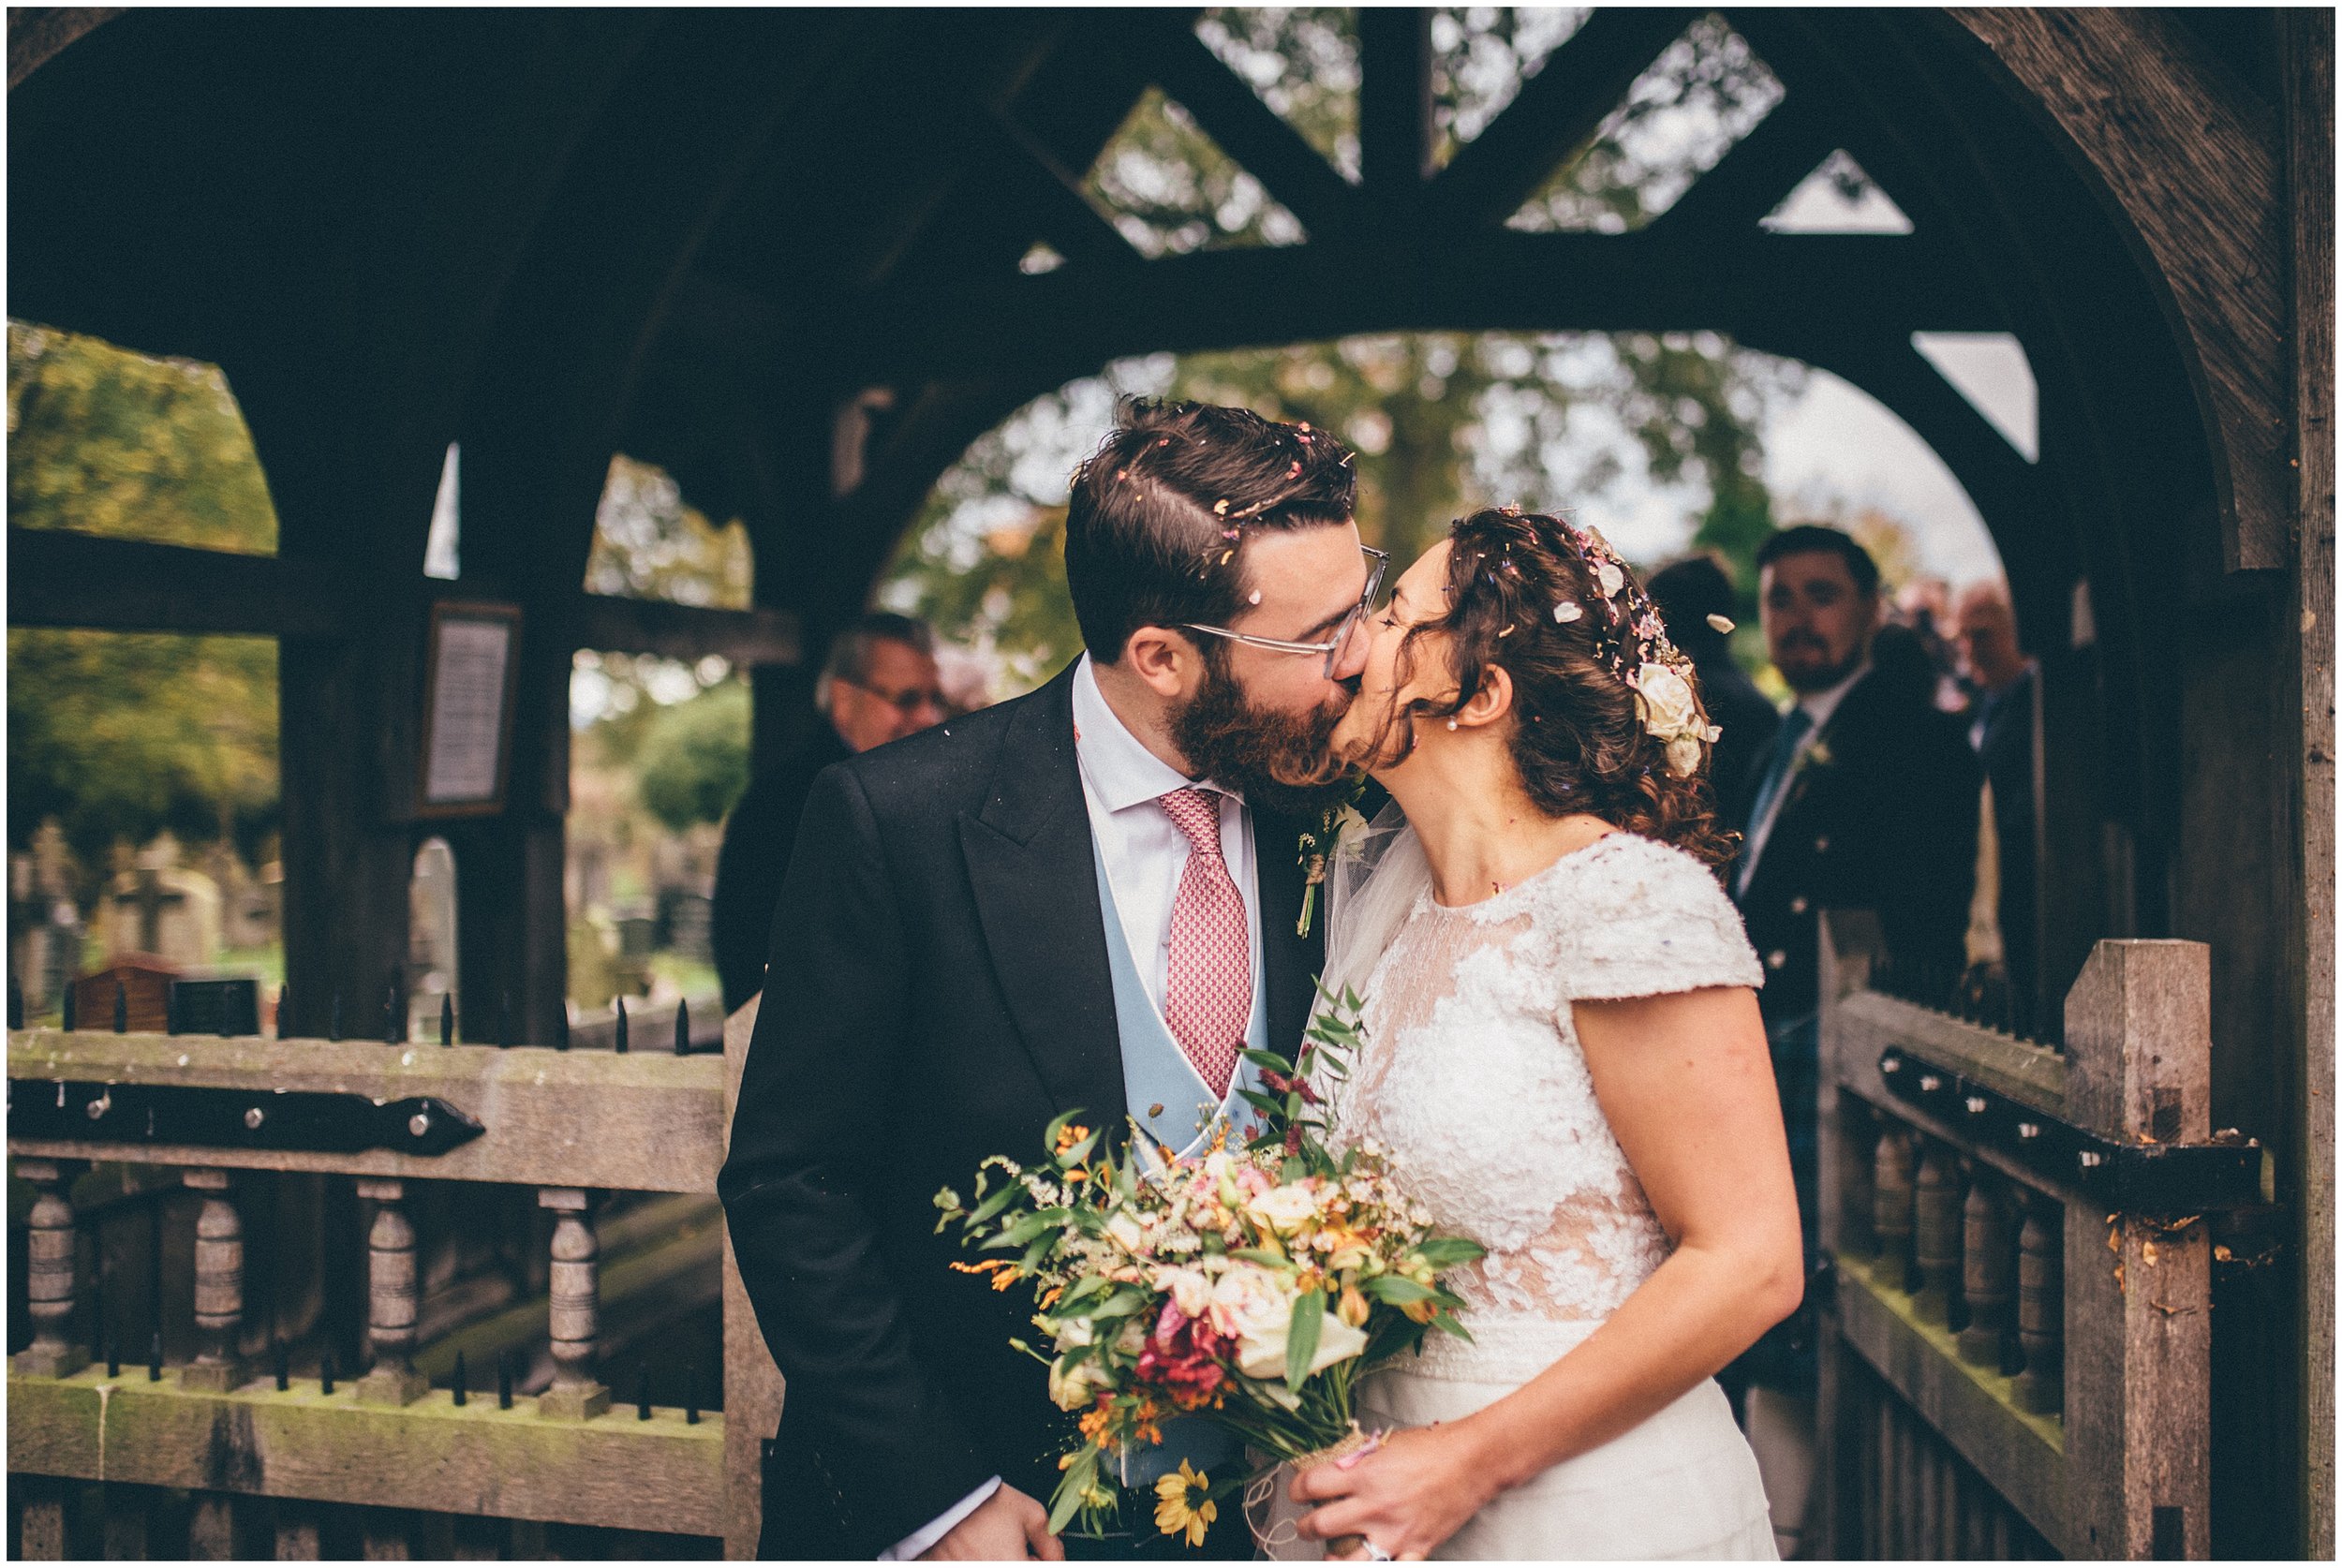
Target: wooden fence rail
{"type": "Point", "coordinates": [2057, 1345]}
{"type": "Point", "coordinates": [572, 1124]}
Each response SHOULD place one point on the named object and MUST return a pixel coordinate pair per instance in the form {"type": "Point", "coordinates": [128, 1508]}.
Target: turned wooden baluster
{"type": "Point", "coordinates": [218, 1287]}
{"type": "Point", "coordinates": [2041, 1306]}
{"type": "Point", "coordinates": [1936, 1231]}
{"type": "Point", "coordinates": [50, 1260]}
{"type": "Point", "coordinates": [574, 1309]}
{"type": "Point", "coordinates": [1890, 1203]}
{"type": "Point", "coordinates": [1988, 1260]}
{"type": "Point", "coordinates": [391, 1299]}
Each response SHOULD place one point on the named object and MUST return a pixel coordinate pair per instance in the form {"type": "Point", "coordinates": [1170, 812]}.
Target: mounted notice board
{"type": "Point", "coordinates": [469, 671]}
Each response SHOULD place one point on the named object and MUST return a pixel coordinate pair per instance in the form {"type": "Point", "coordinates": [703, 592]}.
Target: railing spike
{"type": "Point", "coordinates": [16, 1004]}
{"type": "Point", "coordinates": [561, 1027]}
{"type": "Point", "coordinates": [67, 1007]}
{"type": "Point", "coordinates": [154, 1357]}
{"type": "Point", "coordinates": [462, 1377]}
{"type": "Point", "coordinates": [283, 1011]}
{"type": "Point", "coordinates": [621, 1003]}
{"type": "Point", "coordinates": [682, 1028]}
{"type": "Point", "coordinates": [394, 1026]}
{"type": "Point", "coordinates": [447, 1019]}
{"type": "Point", "coordinates": [325, 1372]}
{"type": "Point", "coordinates": [504, 1380]}
{"type": "Point", "coordinates": [691, 1394]}
{"type": "Point", "coordinates": [641, 1395]}
{"type": "Point", "coordinates": [282, 1354]}
{"type": "Point", "coordinates": [114, 1353]}
{"type": "Point", "coordinates": [122, 1009]}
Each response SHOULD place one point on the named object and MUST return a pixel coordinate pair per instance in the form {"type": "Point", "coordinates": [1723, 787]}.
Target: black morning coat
{"type": "Point", "coordinates": [938, 991]}
{"type": "Point", "coordinates": [1881, 815]}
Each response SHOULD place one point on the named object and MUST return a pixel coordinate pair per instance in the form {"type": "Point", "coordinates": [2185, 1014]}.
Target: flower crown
{"type": "Point", "coordinates": [1631, 639]}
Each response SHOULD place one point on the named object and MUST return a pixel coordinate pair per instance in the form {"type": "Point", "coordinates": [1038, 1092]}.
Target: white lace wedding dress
{"type": "Point", "coordinates": [1473, 1078]}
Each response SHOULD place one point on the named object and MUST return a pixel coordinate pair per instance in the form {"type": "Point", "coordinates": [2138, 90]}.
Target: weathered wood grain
{"type": "Point", "coordinates": [2194, 171]}
{"type": "Point", "coordinates": [2031, 1074]}
{"type": "Point", "coordinates": [2139, 1291]}
{"type": "Point", "coordinates": [638, 1122]}
{"type": "Point", "coordinates": [2308, 41]}
{"type": "Point", "coordinates": [754, 1387]}
{"type": "Point", "coordinates": [429, 1456]}
{"type": "Point", "coordinates": [2022, 1456]}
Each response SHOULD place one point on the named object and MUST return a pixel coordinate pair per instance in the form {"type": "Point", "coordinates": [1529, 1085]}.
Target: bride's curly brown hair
{"type": "Point", "coordinates": [1579, 740]}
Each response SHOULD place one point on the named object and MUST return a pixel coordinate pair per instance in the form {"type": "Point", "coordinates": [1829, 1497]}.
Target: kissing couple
{"type": "Point", "coordinates": [1096, 897]}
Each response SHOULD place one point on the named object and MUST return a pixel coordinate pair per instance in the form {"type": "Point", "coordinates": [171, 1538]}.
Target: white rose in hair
{"type": "Point", "coordinates": [1669, 709]}
{"type": "Point", "coordinates": [1683, 755]}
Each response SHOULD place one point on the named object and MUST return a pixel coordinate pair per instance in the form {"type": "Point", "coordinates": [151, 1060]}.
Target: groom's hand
{"type": "Point", "coordinates": [1008, 1526]}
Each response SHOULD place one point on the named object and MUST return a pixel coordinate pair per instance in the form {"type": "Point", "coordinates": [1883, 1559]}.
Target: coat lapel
{"type": "Point", "coordinates": [1034, 875]}
{"type": "Point", "coordinates": [1290, 961]}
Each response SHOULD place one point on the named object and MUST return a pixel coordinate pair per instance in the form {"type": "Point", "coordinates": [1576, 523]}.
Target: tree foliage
{"type": "Point", "coordinates": [694, 756]}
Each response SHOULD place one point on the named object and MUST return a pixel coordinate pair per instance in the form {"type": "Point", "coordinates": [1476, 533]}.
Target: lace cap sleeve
{"type": "Point", "coordinates": [1647, 920]}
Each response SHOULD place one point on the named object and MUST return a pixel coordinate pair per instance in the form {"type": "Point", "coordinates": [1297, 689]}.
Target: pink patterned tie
{"type": "Point", "coordinates": [1208, 998]}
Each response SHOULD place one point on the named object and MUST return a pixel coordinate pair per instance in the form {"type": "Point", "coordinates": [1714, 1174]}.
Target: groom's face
{"type": "Point", "coordinates": [1260, 719]}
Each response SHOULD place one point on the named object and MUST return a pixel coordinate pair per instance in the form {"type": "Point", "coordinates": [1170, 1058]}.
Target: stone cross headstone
{"type": "Point", "coordinates": [161, 908]}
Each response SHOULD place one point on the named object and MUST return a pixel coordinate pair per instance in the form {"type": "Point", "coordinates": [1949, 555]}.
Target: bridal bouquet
{"type": "Point", "coordinates": [1253, 1284]}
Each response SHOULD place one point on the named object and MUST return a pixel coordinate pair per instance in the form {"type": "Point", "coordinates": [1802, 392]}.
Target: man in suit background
{"type": "Point", "coordinates": [879, 683]}
{"type": "Point", "coordinates": [1043, 907]}
{"type": "Point", "coordinates": [1866, 800]}
{"type": "Point", "coordinates": [2000, 728]}
{"type": "Point", "coordinates": [1691, 594]}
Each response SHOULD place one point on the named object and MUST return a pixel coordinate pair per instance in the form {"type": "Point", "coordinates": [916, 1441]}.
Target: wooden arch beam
{"type": "Point", "coordinates": [1557, 112]}
{"type": "Point", "coordinates": [2190, 167]}
{"type": "Point", "coordinates": [1249, 131]}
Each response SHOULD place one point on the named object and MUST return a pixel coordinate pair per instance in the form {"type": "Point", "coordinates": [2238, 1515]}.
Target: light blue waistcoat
{"type": "Point", "coordinates": [1170, 1103]}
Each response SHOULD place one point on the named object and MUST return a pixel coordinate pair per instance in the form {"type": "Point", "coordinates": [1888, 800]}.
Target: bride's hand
{"type": "Point", "coordinates": [1406, 1496]}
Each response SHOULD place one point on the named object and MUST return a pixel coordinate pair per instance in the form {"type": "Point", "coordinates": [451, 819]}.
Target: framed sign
{"type": "Point", "coordinates": [469, 670]}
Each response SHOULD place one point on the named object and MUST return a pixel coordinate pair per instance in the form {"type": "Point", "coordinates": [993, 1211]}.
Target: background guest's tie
{"type": "Point", "coordinates": [1785, 741]}
{"type": "Point", "coordinates": [1208, 998]}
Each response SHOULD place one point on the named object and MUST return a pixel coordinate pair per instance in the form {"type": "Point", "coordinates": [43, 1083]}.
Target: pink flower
{"type": "Point", "coordinates": [1183, 1355]}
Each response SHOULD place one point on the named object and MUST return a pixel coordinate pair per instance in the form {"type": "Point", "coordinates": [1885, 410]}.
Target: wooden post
{"type": "Point", "coordinates": [753, 1383]}
{"type": "Point", "coordinates": [391, 1299]}
{"type": "Point", "coordinates": [1988, 1258]}
{"type": "Point", "coordinates": [43, 1497]}
{"type": "Point", "coordinates": [574, 1309]}
{"type": "Point", "coordinates": [2041, 1306]}
{"type": "Point", "coordinates": [1936, 1231]}
{"type": "Point", "coordinates": [217, 1366]}
{"type": "Point", "coordinates": [2138, 1292]}
{"type": "Point", "coordinates": [1891, 1209]}
{"type": "Point", "coordinates": [50, 1248]}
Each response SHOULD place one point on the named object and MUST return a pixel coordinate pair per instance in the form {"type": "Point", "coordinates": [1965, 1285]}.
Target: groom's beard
{"type": "Point", "coordinates": [1283, 763]}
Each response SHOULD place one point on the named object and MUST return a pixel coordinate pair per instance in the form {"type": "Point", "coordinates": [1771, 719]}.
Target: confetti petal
{"type": "Point", "coordinates": [1722, 623]}
{"type": "Point", "coordinates": [1567, 611]}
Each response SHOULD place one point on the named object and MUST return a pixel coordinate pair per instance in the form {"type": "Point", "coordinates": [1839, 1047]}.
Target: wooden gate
{"type": "Point", "coordinates": [224, 1455]}
{"type": "Point", "coordinates": [2016, 1354]}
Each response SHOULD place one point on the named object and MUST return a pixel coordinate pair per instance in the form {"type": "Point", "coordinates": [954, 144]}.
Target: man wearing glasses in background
{"type": "Point", "coordinates": [1086, 898]}
{"type": "Point", "coordinates": [879, 684]}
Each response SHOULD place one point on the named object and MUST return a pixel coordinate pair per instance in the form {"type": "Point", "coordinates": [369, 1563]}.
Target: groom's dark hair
{"type": "Point", "coordinates": [1160, 514]}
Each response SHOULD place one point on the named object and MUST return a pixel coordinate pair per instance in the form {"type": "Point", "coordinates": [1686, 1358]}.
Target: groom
{"type": "Point", "coordinates": [1086, 898]}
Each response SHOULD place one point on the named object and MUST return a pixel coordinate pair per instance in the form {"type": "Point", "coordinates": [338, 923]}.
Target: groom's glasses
{"type": "Point", "coordinates": [1377, 563]}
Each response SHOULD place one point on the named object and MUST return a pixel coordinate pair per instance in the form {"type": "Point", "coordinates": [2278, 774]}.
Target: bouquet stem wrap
{"type": "Point", "coordinates": [1260, 1496]}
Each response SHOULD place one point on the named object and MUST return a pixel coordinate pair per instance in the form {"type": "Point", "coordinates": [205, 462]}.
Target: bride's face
{"type": "Point", "coordinates": [1420, 596]}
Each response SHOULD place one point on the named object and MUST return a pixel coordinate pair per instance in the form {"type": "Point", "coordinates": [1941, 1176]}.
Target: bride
{"type": "Point", "coordinates": [1564, 1059]}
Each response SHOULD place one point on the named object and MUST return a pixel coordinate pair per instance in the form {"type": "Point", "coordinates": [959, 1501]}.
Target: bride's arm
{"type": "Point", "coordinates": [1687, 1085]}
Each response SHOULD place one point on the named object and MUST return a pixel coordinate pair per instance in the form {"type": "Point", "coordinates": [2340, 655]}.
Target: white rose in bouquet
{"type": "Point", "coordinates": [1254, 1305]}
{"type": "Point", "coordinates": [1283, 1209]}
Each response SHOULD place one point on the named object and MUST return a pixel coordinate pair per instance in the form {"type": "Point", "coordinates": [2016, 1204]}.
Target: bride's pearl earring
{"type": "Point", "coordinates": [1451, 724]}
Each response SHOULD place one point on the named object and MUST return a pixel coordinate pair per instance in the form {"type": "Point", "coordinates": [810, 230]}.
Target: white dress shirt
{"type": "Point", "coordinates": [1145, 854]}
{"type": "Point", "coordinates": [1818, 706]}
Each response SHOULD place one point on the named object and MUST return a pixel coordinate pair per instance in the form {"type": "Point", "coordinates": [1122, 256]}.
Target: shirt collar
{"type": "Point", "coordinates": [1120, 769]}
{"type": "Point", "coordinates": [1821, 704]}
